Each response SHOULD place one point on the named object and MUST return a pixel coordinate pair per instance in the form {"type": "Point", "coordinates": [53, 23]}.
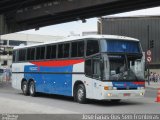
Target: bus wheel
{"type": "Point", "coordinates": [25, 87]}
{"type": "Point", "coordinates": [81, 94]}
{"type": "Point", "coordinates": [32, 91]}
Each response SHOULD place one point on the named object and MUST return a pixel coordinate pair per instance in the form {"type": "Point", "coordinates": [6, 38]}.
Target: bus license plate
{"type": "Point", "coordinates": [126, 94]}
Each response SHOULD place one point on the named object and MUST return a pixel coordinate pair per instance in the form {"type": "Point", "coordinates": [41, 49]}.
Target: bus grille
{"type": "Point", "coordinates": [126, 88]}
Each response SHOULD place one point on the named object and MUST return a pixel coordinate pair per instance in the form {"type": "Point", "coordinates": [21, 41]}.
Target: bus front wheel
{"type": "Point", "coordinates": [81, 94]}
{"type": "Point", "coordinates": [32, 90]}
{"type": "Point", "coordinates": [25, 87]}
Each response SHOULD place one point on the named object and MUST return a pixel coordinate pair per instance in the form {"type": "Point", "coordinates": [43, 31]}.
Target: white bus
{"type": "Point", "coordinates": [101, 67]}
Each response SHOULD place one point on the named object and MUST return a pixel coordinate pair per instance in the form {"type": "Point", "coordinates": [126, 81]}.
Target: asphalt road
{"type": "Point", "coordinates": [13, 101]}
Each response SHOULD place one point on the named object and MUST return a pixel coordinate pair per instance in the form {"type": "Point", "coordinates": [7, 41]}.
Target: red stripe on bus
{"type": "Point", "coordinates": [57, 63]}
{"type": "Point", "coordinates": [139, 83]}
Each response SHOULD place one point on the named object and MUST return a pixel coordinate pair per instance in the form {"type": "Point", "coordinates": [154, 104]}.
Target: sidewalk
{"type": "Point", "coordinates": [153, 85]}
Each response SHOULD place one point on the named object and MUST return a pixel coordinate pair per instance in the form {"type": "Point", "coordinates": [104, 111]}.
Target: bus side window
{"type": "Point", "coordinates": [92, 67]}
{"type": "Point", "coordinates": [63, 50]}
{"type": "Point", "coordinates": [81, 49]}
{"type": "Point", "coordinates": [40, 52]}
{"type": "Point", "coordinates": [96, 67]}
{"type": "Point", "coordinates": [30, 53]}
{"type": "Point", "coordinates": [88, 67]}
{"type": "Point", "coordinates": [15, 56]}
{"type": "Point", "coordinates": [77, 49]}
{"type": "Point", "coordinates": [92, 47]}
{"type": "Point", "coordinates": [51, 52]}
{"type": "Point", "coordinates": [22, 55]}
{"type": "Point", "coordinates": [66, 50]}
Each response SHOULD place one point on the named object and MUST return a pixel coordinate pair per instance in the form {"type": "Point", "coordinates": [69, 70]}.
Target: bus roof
{"type": "Point", "coordinates": [110, 37]}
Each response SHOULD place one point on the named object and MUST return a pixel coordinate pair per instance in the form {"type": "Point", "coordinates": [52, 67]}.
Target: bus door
{"type": "Point", "coordinates": [92, 70]}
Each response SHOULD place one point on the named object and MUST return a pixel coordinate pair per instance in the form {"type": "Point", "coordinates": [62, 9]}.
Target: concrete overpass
{"type": "Point", "coordinates": [18, 15]}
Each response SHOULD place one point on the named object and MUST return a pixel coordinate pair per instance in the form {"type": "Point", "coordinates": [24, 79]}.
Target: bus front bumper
{"type": "Point", "coordinates": [122, 94]}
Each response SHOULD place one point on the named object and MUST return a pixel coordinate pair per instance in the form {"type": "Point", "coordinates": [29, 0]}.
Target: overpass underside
{"type": "Point", "coordinates": [18, 15]}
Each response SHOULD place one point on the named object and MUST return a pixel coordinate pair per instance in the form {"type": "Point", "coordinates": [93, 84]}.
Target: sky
{"type": "Point", "coordinates": [77, 27]}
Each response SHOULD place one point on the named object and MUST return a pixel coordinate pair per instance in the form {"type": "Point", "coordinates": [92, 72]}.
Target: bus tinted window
{"type": "Point", "coordinates": [60, 51]}
{"type": "Point", "coordinates": [63, 50]}
{"type": "Point", "coordinates": [92, 47]}
{"type": "Point", "coordinates": [30, 53]}
{"type": "Point", "coordinates": [22, 55]}
{"type": "Point", "coordinates": [88, 67]}
{"type": "Point", "coordinates": [66, 50]}
{"type": "Point", "coordinates": [40, 52]}
{"type": "Point", "coordinates": [77, 49]}
{"type": "Point", "coordinates": [51, 52]}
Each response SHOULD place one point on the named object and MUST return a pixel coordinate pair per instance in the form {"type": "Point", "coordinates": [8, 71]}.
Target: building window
{"type": "Point", "coordinates": [77, 49]}
{"type": "Point", "coordinates": [17, 43]}
{"type": "Point", "coordinates": [4, 63]}
{"type": "Point", "coordinates": [3, 42]}
{"type": "Point", "coordinates": [92, 47]}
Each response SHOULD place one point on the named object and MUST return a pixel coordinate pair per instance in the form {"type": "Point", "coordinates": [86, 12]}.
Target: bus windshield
{"type": "Point", "coordinates": [120, 46]}
{"type": "Point", "coordinates": [123, 60]}
{"type": "Point", "coordinates": [125, 67]}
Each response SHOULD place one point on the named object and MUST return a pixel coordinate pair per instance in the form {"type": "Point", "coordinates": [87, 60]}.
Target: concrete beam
{"type": "Point", "coordinates": [10, 27]}
{"type": "Point", "coordinates": [36, 14]}
{"type": "Point", "coordinates": [56, 7]}
{"type": "Point", "coordinates": [3, 25]}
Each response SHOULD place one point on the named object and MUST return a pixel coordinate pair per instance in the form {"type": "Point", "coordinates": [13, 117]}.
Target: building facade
{"type": "Point", "coordinates": [144, 28]}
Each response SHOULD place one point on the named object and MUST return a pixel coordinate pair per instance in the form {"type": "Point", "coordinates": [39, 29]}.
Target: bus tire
{"type": "Point", "coordinates": [25, 88]}
{"type": "Point", "coordinates": [32, 90]}
{"type": "Point", "coordinates": [81, 94]}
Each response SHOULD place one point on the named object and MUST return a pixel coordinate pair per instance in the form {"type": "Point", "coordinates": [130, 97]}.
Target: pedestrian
{"type": "Point", "coordinates": [151, 76]}
{"type": "Point", "coordinates": [158, 78]}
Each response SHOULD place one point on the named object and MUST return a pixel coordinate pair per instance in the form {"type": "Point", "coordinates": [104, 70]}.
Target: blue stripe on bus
{"type": "Point", "coordinates": [51, 83]}
{"type": "Point", "coordinates": [128, 84]}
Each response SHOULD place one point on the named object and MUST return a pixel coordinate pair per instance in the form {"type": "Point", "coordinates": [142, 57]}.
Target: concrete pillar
{"type": "Point", "coordinates": [3, 25]}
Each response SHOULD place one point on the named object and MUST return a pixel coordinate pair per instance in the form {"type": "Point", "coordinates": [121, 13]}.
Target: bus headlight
{"type": "Point", "coordinates": [109, 94]}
